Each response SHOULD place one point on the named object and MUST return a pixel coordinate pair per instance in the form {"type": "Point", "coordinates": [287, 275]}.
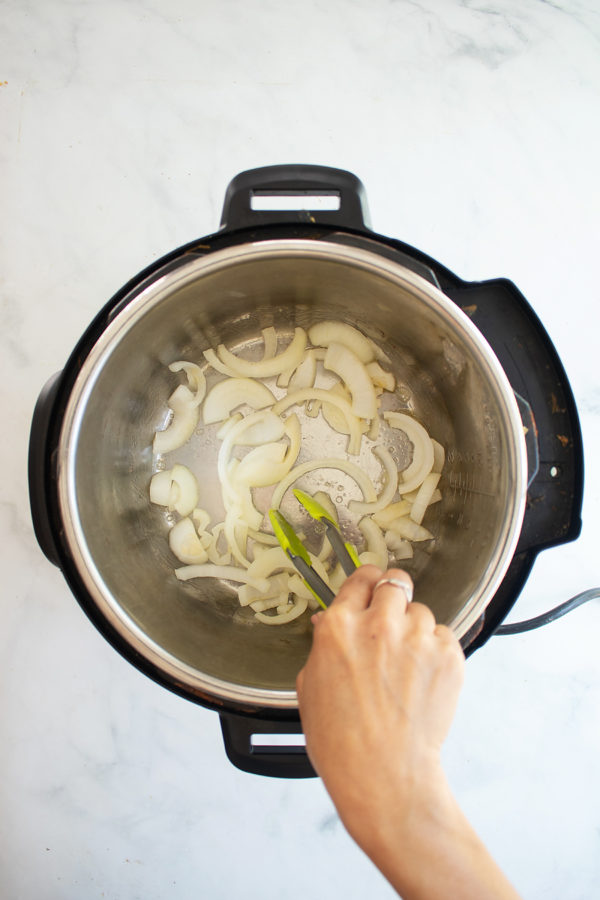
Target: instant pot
{"type": "Point", "coordinates": [482, 372]}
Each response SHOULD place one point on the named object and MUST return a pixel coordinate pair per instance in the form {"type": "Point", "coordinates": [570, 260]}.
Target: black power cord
{"type": "Point", "coordinates": [551, 615]}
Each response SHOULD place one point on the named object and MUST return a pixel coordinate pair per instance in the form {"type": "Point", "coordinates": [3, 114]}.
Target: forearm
{"type": "Point", "coordinates": [427, 850]}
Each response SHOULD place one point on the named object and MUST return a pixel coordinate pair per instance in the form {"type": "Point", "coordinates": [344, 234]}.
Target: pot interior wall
{"type": "Point", "coordinates": [200, 623]}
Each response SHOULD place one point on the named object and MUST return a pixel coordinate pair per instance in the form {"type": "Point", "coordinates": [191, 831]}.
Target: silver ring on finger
{"type": "Point", "coordinates": [396, 582]}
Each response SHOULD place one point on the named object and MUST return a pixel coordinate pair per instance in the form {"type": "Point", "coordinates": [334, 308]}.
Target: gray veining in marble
{"type": "Point", "coordinates": [475, 128]}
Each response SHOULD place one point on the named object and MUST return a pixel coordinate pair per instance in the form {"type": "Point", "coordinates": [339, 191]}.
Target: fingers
{"type": "Point", "coordinates": [356, 592]}
{"type": "Point", "coordinates": [395, 587]}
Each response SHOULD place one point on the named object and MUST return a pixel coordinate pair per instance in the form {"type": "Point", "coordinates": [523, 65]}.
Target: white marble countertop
{"type": "Point", "coordinates": [475, 129]}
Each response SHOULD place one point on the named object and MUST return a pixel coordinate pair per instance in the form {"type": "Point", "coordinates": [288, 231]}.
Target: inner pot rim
{"type": "Point", "coordinates": [125, 319]}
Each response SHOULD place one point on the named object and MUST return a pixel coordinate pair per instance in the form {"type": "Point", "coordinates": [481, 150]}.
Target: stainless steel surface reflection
{"type": "Point", "coordinates": [447, 376]}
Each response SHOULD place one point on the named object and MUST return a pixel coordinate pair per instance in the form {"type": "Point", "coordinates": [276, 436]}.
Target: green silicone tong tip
{"type": "Point", "coordinates": [345, 552]}
{"type": "Point", "coordinates": [299, 555]}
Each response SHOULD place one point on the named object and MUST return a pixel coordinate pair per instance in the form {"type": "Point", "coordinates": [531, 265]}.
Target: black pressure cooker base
{"type": "Point", "coordinates": [496, 308]}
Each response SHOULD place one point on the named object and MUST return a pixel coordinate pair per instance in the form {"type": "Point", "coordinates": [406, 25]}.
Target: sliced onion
{"type": "Point", "coordinates": [401, 548]}
{"type": "Point", "coordinates": [180, 428]}
{"type": "Point", "coordinates": [262, 538]}
{"type": "Point", "coordinates": [380, 377]}
{"type": "Point", "coordinates": [228, 573]}
{"type": "Point", "coordinates": [227, 395]}
{"type": "Point", "coordinates": [332, 414]}
{"type": "Point", "coordinates": [270, 342]}
{"type": "Point", "coordinates": [422, 461]}
{"type": "Point", "coordinates": [260, 467]}
{"type": "Point", "coordinates": [201, 519]}
{"type": "Point", "coordinates": [376, 545]}
{"type": "Point", "coordinates": [277, 585]}
{"type": "Point", "coordinates": [406, 528]}
{"type": "Point", "coordinates": [301, 396]}
{"type": "Point", "coordinates": [269, 463]}
{"type": "Point", "coordinates": [439, 456]}
{"type": "Point", "coordinates": [344, 465]}
{"type": "Point", "coordinates": [394, 511]}
{"type": "Point", "coordinates": [349, 368]}
{"type": "Point", "coordinates": [185, 543]}
{"type": "Point", "coordinates": [325, 333]}
{"type": "Point", "coordinates": [423, 498]}
{"type": "Point", "coordinates": [229, 423]}
{"type": "Point", "coordinates": [260, 428]}
{"type": "Point", "coordinates": [275, 559]}
{"type": "Point", "coordinates": [270, 603]}
{"type": "Point", "coordinates": [391, 483]}
{"type": "Point", "coordinates": [238, 432]}
{"type": "Point", "coordinates": [299, 606]}
{"type": "Point", "coordinates": [214, 554]}
{"type": "Point", "coordinates": [304, 376]}
{"type": "Point", "coordinates": [290, 358]}
{"type": "Point", "coordinates": [236, 535]}
{"type": "Point", "coordinates": [211, 357]}
{"type": "Point", "coordinates": [182, 493]}
{"type": "Point", "coordinates": [196, 386]}
{"type": "Point", "coordinates": [162, 490]}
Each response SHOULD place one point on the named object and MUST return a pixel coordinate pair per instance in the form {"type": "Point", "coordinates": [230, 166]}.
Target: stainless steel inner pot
{"type": "Point", "coordinates": [447, 375]}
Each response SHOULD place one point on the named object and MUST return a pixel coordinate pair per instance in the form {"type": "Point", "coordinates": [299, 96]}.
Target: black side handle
{"type": "Point", "coordinates": [38, 468]}
{"type": "Point", "coordinates": [248, 747]}
{"type": "Point", "coordinates": [251, 196]}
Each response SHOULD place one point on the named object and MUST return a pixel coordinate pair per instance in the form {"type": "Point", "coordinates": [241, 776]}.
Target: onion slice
{"type": "Point", "coordinates": [227, 395]}
{"type": "Point", "coordinates": [301, 396]}
{"type": "Point", "coordinates": [196, 386]}
{"type": "Point", "coordinates": [325, 333]}
{"type": "Point", "coordinates": [391, 484]}
{"type": "Point", "coordinates": [422, 461]}
{"type": "Point", "coordinates": [185, 543]}
{"type": "Point", "coordinates": [376, 546]}
{"type": "Point", "coordinates": [228, 573]}
{"type": "Point", "coordinates": [175, 488]}
{"type": "Point", "coordinates": [423, 498]}
{"type": "Point", "coordinates": [288, 359]}
{"type": "Point", "coordinates": [349, 368]}
{"type": "Point", "coordinates": [299, 606]}
{"type": "Point", "coordinates": [180, 428]}
{"type": "Point", "coordinates": [328, 462]}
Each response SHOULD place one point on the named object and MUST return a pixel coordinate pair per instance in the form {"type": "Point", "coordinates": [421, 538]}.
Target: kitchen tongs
{"type": "Point", "coordinates": [299, 555]}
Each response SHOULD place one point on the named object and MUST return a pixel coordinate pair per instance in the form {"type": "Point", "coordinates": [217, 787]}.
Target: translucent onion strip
{"type": "Point", "coordinates": [423, 498]}
{"type": "Point", "coordinates": [290, 358]}
{"type": "Point", "coordinates": [348, 367]}
{"type": "Point", "coordinates": [269, 342]}
{"type": "Point", "coordinates": [301, 396]}
{"type": "Point", "coordinates": [228, 573]}
{"type": "Point", "coordinates": [390, 486]}
{"type": "Point", "coordinates": [185, 543]}
{"type": "Point", "coordinates": [325, 333]}
{"type": "Point", "coordinates": [178, 486]}
{"type": "Point", "coordinates": [299, 606]}
{"type": "Point", "coordinates": [180, 428]}
{"type": "Point", "coordinates": [225, 396]}
{"type": "Point", "coordinates": [328, 462]}
{"type": "Point", "coordinates": [422, 461]}
{"type": "Point", "coordinates": [376, 545]}
{"type": "Point", "coordinates": [196, 386]}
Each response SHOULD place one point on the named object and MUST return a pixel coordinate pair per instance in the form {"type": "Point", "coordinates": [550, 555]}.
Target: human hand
{"type": "Point", "coordinates": [377, 697]}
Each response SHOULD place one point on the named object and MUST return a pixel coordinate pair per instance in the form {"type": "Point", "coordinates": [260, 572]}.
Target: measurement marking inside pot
{"type": "Point", "coordinates": [462, 484]}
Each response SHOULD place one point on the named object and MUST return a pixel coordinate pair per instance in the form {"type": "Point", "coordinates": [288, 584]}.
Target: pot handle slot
{"type": "Point", "coordinates": [37, 468]}
{"type": "Point", "coordinates": [266, 747]}
{"type": "Point", "coordinates": [295, 194]}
